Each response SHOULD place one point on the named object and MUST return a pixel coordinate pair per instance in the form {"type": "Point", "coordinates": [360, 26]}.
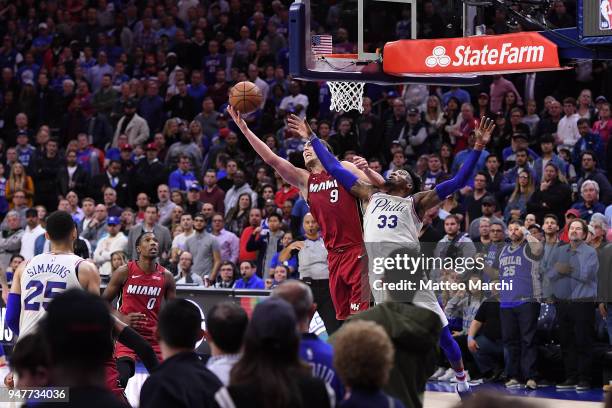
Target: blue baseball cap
{"type": "Point", "coordinates": [113, 221]}
{"type": "Point", "coordinates": [195, 186]}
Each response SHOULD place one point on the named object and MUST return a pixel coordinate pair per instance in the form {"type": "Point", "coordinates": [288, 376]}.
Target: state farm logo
{"type": "Point", "coordinates": [467, 56]}
{"type": "Point", "coordinates": [438, 57]}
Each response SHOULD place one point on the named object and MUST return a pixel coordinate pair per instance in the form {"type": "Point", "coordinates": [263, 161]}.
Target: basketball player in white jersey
{"type": "Point", "coordinates": [393, 218]}
{"type": "Point", "coordinates": [37, 281]}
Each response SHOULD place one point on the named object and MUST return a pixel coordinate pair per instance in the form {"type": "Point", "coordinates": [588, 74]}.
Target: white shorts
{"type": "Point", "coordinates": [427, 300]}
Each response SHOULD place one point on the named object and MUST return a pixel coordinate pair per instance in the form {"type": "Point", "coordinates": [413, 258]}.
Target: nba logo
{"type": "Point", "coordinates": [605, 15]}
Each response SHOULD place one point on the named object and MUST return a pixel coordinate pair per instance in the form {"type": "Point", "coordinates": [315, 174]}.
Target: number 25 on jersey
{"type": "Point", "coordinates": [34, 300]}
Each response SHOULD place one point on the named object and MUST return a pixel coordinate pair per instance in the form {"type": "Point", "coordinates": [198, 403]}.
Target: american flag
{"type": "Point", "coordinates": [321, 44]}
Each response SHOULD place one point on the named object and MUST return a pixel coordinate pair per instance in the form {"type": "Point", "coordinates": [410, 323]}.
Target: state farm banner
{"type": "Point", "coordinates": [522, 52]}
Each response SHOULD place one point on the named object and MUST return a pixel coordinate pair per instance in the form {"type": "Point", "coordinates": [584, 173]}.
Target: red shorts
{"type": "Point", "coordinates": [122, 351]}
{"type": "Point", "coordinates": [348, 281]}
{"type": "Point", "coordinates": [112, 380]}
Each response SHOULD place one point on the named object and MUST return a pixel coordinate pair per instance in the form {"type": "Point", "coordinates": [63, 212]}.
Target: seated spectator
{"type": "Point", "coordinates": [590, 171]}
{"type": "Point", "coordinates": [518, 141]}
{"type": "Point", "coordinates": [184, 275]}
{"type": "Point", "coordinates": [18, 180]}
{"type": "Point", "coordinates": [484, 339]}
{"type": "Point", "coordinates": [603, 126]}
{"type": "Point", "coordinates": [226, 323]}
{"type": "Point", "coordinates": [510, 175]}
{"type": "Point", "coordinates": [113, 242]}
{"type": "Point", "coordinates": [10, 238]}
{"type": "Point", "coordinates": [552, 196]}
{"type": "Point", "coordinates": [516, 206]}
{"type": "Point", "coordinates": [280, 275]}
{"type": "Point", "coordinates": [589, 205]}
{"type": "Point", "coordinates": [227, 275]}
{"type": "Point", "coordinates": [588, 141]}
{"type": "Point", "coordinates": [237, 216]}
{"type": "Point", "coordinates": [547, 144]}
{"type": "Point", "coordinates": [249, 279]}
{"type": "Point", "coordinates": [489, 208]}
{"type": "Point", "coordinates": [363, 358]}
{"type": "Point", "coordinates": [110, 201]}
{"type": "Point", "coordinates": [531, 118]}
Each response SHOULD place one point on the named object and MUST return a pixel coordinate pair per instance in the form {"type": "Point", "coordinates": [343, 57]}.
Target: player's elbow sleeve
{"type": "Point", "coordinates": [13, 311]}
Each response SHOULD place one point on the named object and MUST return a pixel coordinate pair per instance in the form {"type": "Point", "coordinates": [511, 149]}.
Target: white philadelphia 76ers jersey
{"type": "Point", "coordinates": [45, 276]}
{"type": "Point", "coordinates": [393, 223]}
{"type": "Point", "coordinates": [391, 219]}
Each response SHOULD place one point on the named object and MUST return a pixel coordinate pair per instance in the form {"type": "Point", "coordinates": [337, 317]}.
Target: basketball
{"type": "Point", "coordinates": [245, 97]}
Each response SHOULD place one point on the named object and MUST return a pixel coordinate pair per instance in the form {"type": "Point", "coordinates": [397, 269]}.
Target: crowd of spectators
{"type": "Point", "coordinates": [115, 112]}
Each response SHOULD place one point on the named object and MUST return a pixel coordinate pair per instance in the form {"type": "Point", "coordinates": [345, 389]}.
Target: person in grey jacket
{"type": "Point", "coordinates": [10, 239]}
{"type": "Point", "coordinates": [150, 224]}
{"type": "Point", "coordinates": [205, 250]}
{"type": "Point", "coordinates": [96, 227]}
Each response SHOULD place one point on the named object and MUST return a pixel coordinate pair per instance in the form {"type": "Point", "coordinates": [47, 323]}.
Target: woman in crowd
{"type": "Point", "coordinates": [19, 180]}
{"type": "Point", "coordinates": [238, 216]}
{"type": "Point", "coordinates": [517, 203]}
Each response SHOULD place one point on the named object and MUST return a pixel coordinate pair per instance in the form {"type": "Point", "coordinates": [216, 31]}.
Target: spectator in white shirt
{"type": "Point", "coordinates": [185, 275]}
{"type": "Point", "coordinates": [32, 231]}
{"type": "Point", "coordinates": [226, 324]}
{"type": "Point", "coordinates": [294, 102]}
{"type": "Point", "coordinates": [113, 242]}
{"type": "Point", "coordinates": [178, 243]}
{"type": "Point", "coordinates": [567, 129]}
{"type": "Point", "coordinates": [229, 244]}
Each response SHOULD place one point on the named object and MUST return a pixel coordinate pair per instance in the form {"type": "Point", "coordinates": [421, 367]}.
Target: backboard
{"type": "Point", "coordinates": [594, 18]}
{"type": "Point", "coordinates": [357, 31]}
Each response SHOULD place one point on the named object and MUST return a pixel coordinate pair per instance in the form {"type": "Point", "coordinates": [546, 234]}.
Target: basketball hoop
{"type": "Point", "coordinates": [346, 96]}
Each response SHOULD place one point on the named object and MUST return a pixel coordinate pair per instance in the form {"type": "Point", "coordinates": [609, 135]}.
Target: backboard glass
{"type": "Point", "coordinates": [359, 28]}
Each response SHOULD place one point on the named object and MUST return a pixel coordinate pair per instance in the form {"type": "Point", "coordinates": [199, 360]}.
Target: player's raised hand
{"type": "Point", "coordinates": [237, 117]}
{"type": "Point", "coordinates": [483, 132]}
{"type": "Point", "coordinates": [361, 163]}
{"type": "Point", "coordinates": [299, 126]}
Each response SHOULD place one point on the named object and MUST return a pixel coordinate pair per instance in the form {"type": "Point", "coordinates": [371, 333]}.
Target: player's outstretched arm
{"type": "Point", "coordinates": [13, 306]}
{"type": "Point", "coordinates": [427, 199]}
{"type": "Point", "coordinates": [293, 175]}
{"type": "Point", "coordinates": [360, 167]}
{"type": "Point", "coordinates": [130, 338]}
{"type": "Point", "coordinates": [359, 188]}
{"type": "Point", "coordinates": [89, 277]}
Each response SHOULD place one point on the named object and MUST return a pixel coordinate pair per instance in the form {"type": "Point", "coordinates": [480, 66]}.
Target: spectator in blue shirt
{"type": "Point", "coordinates": [249, 279]}
{"type": "Point", "coordinates": [460, 94]}
{"type": "Point", "coordinates": [181, 178]}
{"type": "Point", "coordinates": [151, 108]}
{"type": "Point", "coordinates": [196, 88]}
{"type": "Point", "coordinates": [574, 278]}
{"type": "Point", "coordinates": [588, 141]}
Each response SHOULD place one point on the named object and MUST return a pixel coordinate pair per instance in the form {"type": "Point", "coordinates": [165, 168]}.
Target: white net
{"type": "Point", "coordinates": [346, 96]}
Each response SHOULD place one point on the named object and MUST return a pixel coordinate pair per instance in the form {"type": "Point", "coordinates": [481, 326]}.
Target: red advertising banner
{"type": "Point", "coordinates": [522, 52]}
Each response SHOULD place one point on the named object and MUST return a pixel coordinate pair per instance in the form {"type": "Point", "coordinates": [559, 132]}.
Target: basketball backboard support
{"type": "Point", "coordinates": [371, 24]}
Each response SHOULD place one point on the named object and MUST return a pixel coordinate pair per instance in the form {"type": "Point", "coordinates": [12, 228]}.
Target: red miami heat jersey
{"type": "Point", "coordinates": [143, 293]}
{"type": "Point", "coordinates": [336, 211]}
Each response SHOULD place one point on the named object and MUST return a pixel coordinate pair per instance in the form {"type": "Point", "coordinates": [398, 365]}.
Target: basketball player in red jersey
{"type": "Point", "coordinates": [338, 214]}
{"type": "Point", "coordinates": [141, 286]}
